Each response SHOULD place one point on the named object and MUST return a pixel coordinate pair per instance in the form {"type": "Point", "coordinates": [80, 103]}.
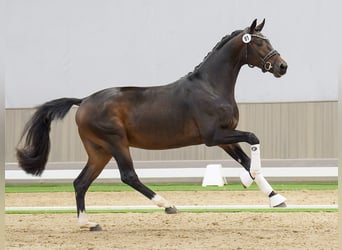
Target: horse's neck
{"type": "Point", "coordinates": [221, 71]}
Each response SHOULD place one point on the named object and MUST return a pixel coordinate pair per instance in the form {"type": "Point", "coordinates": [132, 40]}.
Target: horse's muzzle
{"type": "Point", "coordinates": [279, 68]}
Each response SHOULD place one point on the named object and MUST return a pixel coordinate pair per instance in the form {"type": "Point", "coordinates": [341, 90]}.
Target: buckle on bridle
{"type": "Point", "coordinates": [268, 66]}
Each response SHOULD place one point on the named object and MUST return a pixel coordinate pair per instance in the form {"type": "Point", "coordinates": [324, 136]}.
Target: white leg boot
{"type": "Point", "coordinates": [276, 200]}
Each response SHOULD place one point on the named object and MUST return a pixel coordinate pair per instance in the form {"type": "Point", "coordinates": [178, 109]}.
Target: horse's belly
{"type": "Point", "coordinates": [163, 137]}
{"type": "Point", "coordinates": [160, 145]}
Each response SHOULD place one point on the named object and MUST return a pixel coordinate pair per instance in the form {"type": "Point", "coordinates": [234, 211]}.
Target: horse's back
{"type": "Point", "coordinates": [148, 117]}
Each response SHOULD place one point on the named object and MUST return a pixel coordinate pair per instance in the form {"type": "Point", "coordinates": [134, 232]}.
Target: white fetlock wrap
{"type": "Point", "coordinates": [84, 223]}
{"type": "Point", "coordinates": [276, 200]}
{"type": "Point", "coordinates": [255, 160]}
{"type": "Point", "coordinates": [88, 226]}
{"type": "Point", "coordinates": [246, 178]}
{"type": "Point", "coordinates": [264, 186]}
{"type": "Point", "coordinates": [160, 201]}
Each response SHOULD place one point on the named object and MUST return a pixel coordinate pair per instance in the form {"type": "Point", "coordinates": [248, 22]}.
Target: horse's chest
{"type": "Point", "coordinates": [227, 116]}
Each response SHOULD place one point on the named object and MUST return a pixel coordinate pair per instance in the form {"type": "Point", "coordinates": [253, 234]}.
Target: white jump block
{"type": "Point", "coordinates": [213, 176]}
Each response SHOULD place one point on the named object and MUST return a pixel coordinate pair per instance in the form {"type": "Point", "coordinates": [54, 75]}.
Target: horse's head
{"type": "Point", "coordinates": [259, 51]}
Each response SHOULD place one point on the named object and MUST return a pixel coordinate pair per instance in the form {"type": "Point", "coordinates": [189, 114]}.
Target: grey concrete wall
{"type": "Point", "coordinates": [73, 48]}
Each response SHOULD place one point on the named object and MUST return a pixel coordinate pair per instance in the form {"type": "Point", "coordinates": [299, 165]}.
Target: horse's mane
{"type": "Point", "coordinates": [218, 46]}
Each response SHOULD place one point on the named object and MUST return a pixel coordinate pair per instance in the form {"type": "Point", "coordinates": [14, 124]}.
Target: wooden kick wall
{"type": "Point", "coordinates": [302, 130]}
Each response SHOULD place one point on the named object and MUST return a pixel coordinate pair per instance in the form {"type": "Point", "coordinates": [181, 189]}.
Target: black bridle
{"type": "Point", "coordinates": [266, 65]}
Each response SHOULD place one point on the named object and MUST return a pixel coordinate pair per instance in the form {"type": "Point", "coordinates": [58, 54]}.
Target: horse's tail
{"type": "Point", "coordinates": [33, 155]}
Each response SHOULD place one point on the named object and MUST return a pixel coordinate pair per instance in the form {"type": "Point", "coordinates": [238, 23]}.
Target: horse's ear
{"type": "Point", "coordinates": [260, 26]}
{"type": "Point", "coordinates": [253, 25]}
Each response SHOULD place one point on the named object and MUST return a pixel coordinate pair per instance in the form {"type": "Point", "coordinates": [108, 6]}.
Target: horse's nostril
{"type": "Point", "coordinates": [283, 66]}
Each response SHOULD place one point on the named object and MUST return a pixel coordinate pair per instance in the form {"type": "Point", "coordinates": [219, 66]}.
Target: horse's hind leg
{"type": "Point", "coordinates": [97, 159]}
{"type": "Point", "coordinates": [129, 177]}
{"type": "Point", "coordinates": [235, 151]}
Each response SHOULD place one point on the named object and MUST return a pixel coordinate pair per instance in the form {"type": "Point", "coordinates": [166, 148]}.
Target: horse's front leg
{"type": "Point", "coordinates": [228, 141]}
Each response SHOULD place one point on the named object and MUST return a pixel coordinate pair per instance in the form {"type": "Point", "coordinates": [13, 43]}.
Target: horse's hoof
{"type": "Point", "coordinates": [171, 210]}
{"type": "Point", "coordinates": [90, 226]}
{"type": "Point", "coordinates": [96, 228]}
{"type": "Point", "coordinates": [277, 200]}
{"type": "Point", "coordinates": [283, 204]}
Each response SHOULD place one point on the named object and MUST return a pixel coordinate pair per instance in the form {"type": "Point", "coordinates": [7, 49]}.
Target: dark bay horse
{"type": "Point", "coordinates": [199, 108]}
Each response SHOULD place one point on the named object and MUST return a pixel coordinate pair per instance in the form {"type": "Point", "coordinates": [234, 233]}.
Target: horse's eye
{"type": "Point", "coordinates": [259, 42]}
